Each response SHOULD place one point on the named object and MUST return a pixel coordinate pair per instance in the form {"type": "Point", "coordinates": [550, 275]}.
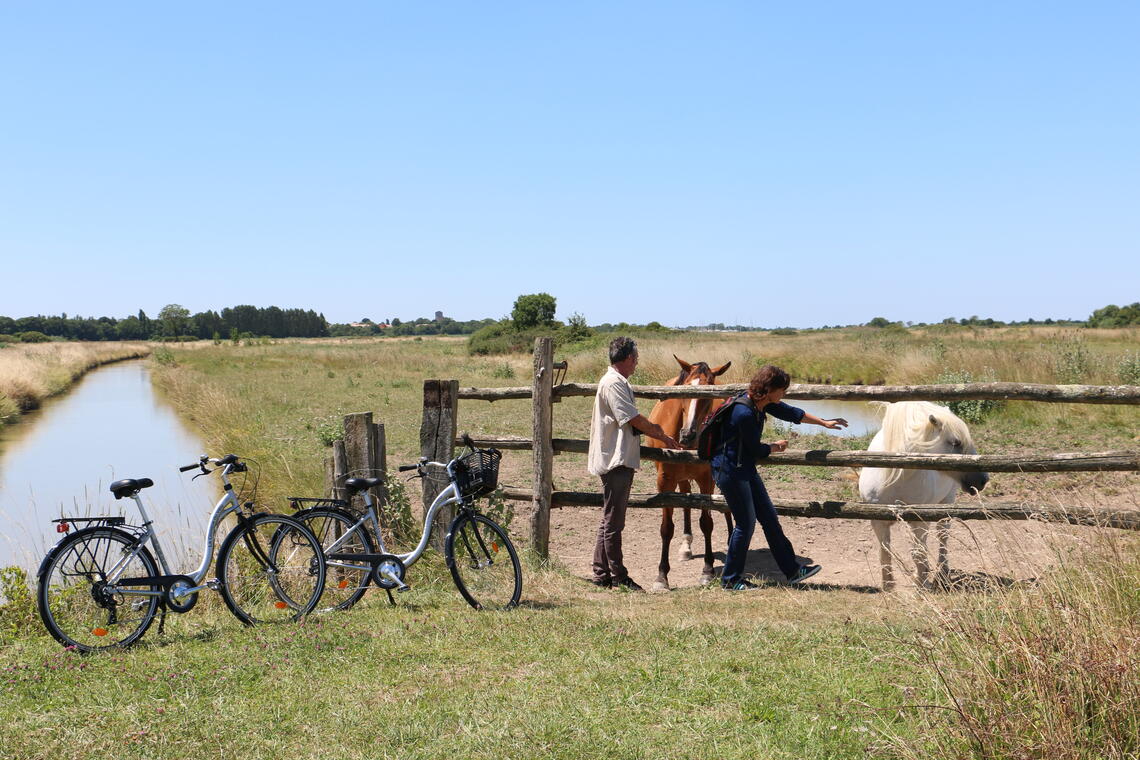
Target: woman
{"type": "Point", "coordinates": [734, 469]}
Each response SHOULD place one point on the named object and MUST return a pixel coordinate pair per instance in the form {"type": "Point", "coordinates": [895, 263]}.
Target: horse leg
{"type": "Point", "coordinates": [920, 554]}
{"type": "Point", "coordinates": [662, 582]}
{"type": "Point", "coordinates": [685, 552]}
{"type": "Point", "coordinates": [706, 486]}
{"type": "Point", "coordinates": [942, 571]}
{"type": "Point", "coordinates": [707, 529]}
{"type": "Point", "coordinates": [883, 533]}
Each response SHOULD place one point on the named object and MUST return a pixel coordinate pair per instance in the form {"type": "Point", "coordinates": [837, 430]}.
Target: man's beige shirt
{"type": "Point", "coordinates": [613, 441]}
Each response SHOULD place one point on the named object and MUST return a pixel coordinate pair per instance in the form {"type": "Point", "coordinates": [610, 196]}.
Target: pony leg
{"type": "Point", "coordinates": [942, 569]}
{"type": "Point", "coordinates": [707, 529]}
{"type": "Point", "coordinates": [920, 554]}
{"type": "Point", "coordinates": [883, 534]}
{"type": "Point", "coordinates": [685, 553]}
{"type": "Point", "coordinates": [662, 582]}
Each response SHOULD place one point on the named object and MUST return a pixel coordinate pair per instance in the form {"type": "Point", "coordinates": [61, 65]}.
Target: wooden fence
{"type": "Point", "coordinates": [439, 430]}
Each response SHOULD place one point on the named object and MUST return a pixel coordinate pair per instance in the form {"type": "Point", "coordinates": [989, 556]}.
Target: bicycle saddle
{"type": "Point", "coordinates": [357, 485]}
{"type": "Point", "coordinates": [126, 487]}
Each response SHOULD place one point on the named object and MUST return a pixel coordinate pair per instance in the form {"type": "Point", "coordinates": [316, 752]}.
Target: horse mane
{"type": "Point", "coordinates": [907, 428]}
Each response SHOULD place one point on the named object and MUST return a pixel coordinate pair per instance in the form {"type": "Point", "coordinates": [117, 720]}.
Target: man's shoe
{"type": "Point", "coordinates": [739, 586]}
{"type": "Point", "coordinates": [601, 582]}
{"type": "Point", "coordinates": [629, 584]}
{"type": "Point", "coordinates": [805, 572]}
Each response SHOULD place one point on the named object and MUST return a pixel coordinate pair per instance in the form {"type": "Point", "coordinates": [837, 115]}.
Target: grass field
{"type": "Point", "coordinates": [1043, 669]}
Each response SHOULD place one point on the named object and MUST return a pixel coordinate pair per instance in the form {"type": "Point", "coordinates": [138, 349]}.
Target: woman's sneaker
{"type": "Point", "coordinates": [740, 586]}
{"type": "Point", "coordinates": [805, 572]}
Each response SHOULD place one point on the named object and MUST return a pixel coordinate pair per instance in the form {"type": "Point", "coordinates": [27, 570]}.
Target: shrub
{"type": "Point", "coordinates": [1129, 368]}
{"type": "Point", "coordinates": [17, 607]}
{"type": "Point", "coordinates": [975, 410]}
{"type": "Point", "coordinates": [33, 336]}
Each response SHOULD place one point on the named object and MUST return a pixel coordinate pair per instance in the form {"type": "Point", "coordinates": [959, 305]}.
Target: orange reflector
{"type": "Point", "coordinates": [280, 605]}
{"type": "Point", "coordinates": [342, 584]}
{"type": "Point", "coordinates": [495, 547]}
{"type": "Point", "coordinates": [100, 631]}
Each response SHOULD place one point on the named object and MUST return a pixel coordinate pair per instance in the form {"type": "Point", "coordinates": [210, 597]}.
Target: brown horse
{"type": "Point", "coordinates": [680, 418]}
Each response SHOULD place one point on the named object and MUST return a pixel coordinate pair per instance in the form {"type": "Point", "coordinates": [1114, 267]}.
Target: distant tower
{"type": "Point", "coordinates": [439, 316]}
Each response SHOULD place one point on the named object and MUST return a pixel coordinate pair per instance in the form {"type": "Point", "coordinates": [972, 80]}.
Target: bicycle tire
{"type": "Point", "coordinates": [473, 549]}
{"type": "Point", "coordinates": [70, 602]}
{"type": "Point", "coordinates": [270, 570]}
{"type": "Point", "coordinates": [343, 586]}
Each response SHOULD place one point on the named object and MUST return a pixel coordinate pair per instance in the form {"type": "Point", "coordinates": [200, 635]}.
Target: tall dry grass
{"type": "Point", "coordinates": [30, 373]}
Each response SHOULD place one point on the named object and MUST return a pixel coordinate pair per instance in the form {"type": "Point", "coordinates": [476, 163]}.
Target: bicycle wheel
{"type": "Point", "coordinates": [72, 600]}
{"type": "Point", "coordinates": [483, 563]}
{"type": "Point", "coordinates": [271, 570]}
{"type": "Point", "coordinates": [344, 585]}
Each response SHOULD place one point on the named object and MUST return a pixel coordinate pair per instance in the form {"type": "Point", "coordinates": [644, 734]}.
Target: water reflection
{"type": "Point", "coordinates": [61, 459]}
{"type": "Point", "coordinates": [861, 417]}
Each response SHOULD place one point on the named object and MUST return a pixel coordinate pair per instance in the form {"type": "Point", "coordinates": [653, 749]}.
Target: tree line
{"type": "Point", "coordinates": [173, 322]}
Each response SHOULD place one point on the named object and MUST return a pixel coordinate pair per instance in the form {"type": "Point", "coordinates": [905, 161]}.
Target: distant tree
{"type": "Point", "coordinates": [174, 319]}
{"type": "Point", "coordinates": [879, 322]}
{"type": "Point", "coordinates": [534, 310]}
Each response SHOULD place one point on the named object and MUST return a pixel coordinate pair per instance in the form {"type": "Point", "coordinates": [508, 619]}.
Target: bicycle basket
{"type": "Point", "coordinates": [477, 473]}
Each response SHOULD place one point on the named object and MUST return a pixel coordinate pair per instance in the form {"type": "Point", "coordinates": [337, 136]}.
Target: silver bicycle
{"type": "Point", "coordinates": [480, 555]}
{"type": "Point", "coordinates": [100, 587]}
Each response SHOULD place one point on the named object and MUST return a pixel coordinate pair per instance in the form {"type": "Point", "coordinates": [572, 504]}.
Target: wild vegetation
{"type": "Point", "coordinates": [31, 372]}
{"type": "Point", "coordinates": [1045, 668]}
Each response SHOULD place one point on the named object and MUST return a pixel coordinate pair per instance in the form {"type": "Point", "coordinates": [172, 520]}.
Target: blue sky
{"type": "Point", "coordinates": [746, 163]}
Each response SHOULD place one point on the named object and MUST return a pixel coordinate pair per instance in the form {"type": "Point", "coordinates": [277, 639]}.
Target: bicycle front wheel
{"type": "Point", "coordinates": [483, 563]}
{"type": "Point", "coordinates": [345, 581]}
{"type": "Point", "coordinates": [271, 570]}
{"type": "Point", "coordinates": [73, 597]}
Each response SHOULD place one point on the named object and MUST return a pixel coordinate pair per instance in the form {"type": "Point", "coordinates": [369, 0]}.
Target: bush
{"type": "Point", "coordinates": [976, 410]}
{"type": "Point", "coordinates": [17, 607]}
{"type": "Point", "coordinates": [1129, 369]}
{"type": "Point", "coordinates": [5, 338]}
{"type": "Point", "coordinates": [32, 336]}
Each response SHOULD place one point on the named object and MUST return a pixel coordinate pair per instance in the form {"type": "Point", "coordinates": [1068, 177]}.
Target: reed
{"type": "Point", "coordinates": [30, 373]}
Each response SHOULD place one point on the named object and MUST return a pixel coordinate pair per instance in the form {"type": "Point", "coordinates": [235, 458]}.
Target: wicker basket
{"type": "Point", "coordinates": [477, 473]}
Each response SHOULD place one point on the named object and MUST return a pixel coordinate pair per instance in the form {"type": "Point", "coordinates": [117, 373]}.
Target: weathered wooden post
{"type": "Point", "coordinates": [336, 471]}
{"type": "Point", "coordinates": [543, 448]}
{"type": "Point", "coordinates": [363, 453]}
{"type": "Point", "coordinates": [437, 443]}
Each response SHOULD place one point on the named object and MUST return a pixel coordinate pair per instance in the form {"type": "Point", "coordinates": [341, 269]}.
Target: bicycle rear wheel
{"type": "Point", "coordinates": [483, 563]}
{"type": "Point", "coordinates": [344, 583]}
{"type": "Point", "coordinates": [72, 598]}
{"type": "Point", "coordinates": [271, 570]}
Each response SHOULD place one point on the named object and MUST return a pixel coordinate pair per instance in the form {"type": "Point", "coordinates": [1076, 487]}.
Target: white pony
{"type": "Point", "coordinates": [918, 427]}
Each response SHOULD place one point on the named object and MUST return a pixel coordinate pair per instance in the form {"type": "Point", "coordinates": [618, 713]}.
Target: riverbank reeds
{"type": "Point", "coordinates": [30, 373]}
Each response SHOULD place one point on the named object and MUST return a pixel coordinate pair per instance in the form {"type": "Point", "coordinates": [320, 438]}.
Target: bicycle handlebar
{"type": "Point", "coordinates": [407, 467]}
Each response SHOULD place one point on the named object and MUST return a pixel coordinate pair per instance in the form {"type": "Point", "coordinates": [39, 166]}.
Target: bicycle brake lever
{"type": "Point", "coordinates": [203, 472]}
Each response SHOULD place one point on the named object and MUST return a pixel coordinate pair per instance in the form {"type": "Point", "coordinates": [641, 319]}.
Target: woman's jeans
{"type": "Point", "coordinates": [749, 502]}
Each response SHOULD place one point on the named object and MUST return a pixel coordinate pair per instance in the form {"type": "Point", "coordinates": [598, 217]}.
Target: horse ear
{"type": "Point", "coordinates": [935, 421]}
{"type": "Point", "coordinates": [721, 370]}
{"type": "Point", "coordinates": [684, 364]}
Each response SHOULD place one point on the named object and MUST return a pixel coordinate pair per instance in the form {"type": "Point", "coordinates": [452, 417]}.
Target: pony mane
{"type": "Point", "coordinates": [907, 428]}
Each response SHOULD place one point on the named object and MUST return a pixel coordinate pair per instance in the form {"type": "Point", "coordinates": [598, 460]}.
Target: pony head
{"type": "Point", "coordinates": [920, 427]}
{"type": "Point", "coordinates": [695, 409]}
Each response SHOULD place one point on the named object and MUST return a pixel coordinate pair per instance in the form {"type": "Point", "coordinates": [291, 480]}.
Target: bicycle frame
{"type": "Point", "coordinates": [226, 506]}
{"type": "Point", "coordinates": [447, 497]}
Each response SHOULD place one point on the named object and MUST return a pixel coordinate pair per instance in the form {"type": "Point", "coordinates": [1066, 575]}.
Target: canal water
{"type": "Point", "coordinates": [61, 459]}
{"type": "Point", "coordinates": [861, 417]}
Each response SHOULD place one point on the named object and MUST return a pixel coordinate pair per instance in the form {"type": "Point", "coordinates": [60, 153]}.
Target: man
{"type": "Point", "coordinates": [615, 453]}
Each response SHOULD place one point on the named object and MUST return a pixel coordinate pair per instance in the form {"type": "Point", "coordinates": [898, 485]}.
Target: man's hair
{"type": "Point", "coordinates": [768, 378]}
{"type": "Point", "coordinates": [621, 349]}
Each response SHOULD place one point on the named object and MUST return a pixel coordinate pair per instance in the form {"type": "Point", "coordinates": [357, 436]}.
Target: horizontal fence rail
{"type": "Point", "coordinates": [1104, 461]}
{"type": "Point", "coordinates": [1072, 515]}
{"type": "Point", "coordinates": [1063, 394]}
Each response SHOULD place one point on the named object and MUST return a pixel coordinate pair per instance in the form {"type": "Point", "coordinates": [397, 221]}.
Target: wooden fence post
{"type": "Point", "coordinates": [437, 443]}
{"type": "Point", "coordinates": [339, 471]}
{"type": "Point", "coordinates": [363, 455]}
{"type": "Point", "coordinates": [543, 416]}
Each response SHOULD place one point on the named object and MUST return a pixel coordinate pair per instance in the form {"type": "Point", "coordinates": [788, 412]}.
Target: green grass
{"type": "Point", "coordinates": [573, 673]}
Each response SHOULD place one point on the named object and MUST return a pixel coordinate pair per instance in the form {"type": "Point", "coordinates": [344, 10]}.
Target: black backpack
{"type": "Point", "coordinates": [710, 436]}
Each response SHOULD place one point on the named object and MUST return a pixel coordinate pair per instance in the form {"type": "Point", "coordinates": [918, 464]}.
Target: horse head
{"type": "Point", "coordinates": [923, 427]}
{"type": "Point", "coordinates": [695, 409]}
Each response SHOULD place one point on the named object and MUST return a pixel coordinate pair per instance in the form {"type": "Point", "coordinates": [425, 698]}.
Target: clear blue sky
{"type": "Point", "coordinates": [748, 163]}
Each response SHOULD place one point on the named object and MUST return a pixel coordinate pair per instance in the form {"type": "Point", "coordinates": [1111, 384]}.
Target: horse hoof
{"type": "Point", "coordinates": [661, 586]}
{"type": "Point", "coordinates": [706, 580]}
{"type": "Point", "coordinates": [684, 555]}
